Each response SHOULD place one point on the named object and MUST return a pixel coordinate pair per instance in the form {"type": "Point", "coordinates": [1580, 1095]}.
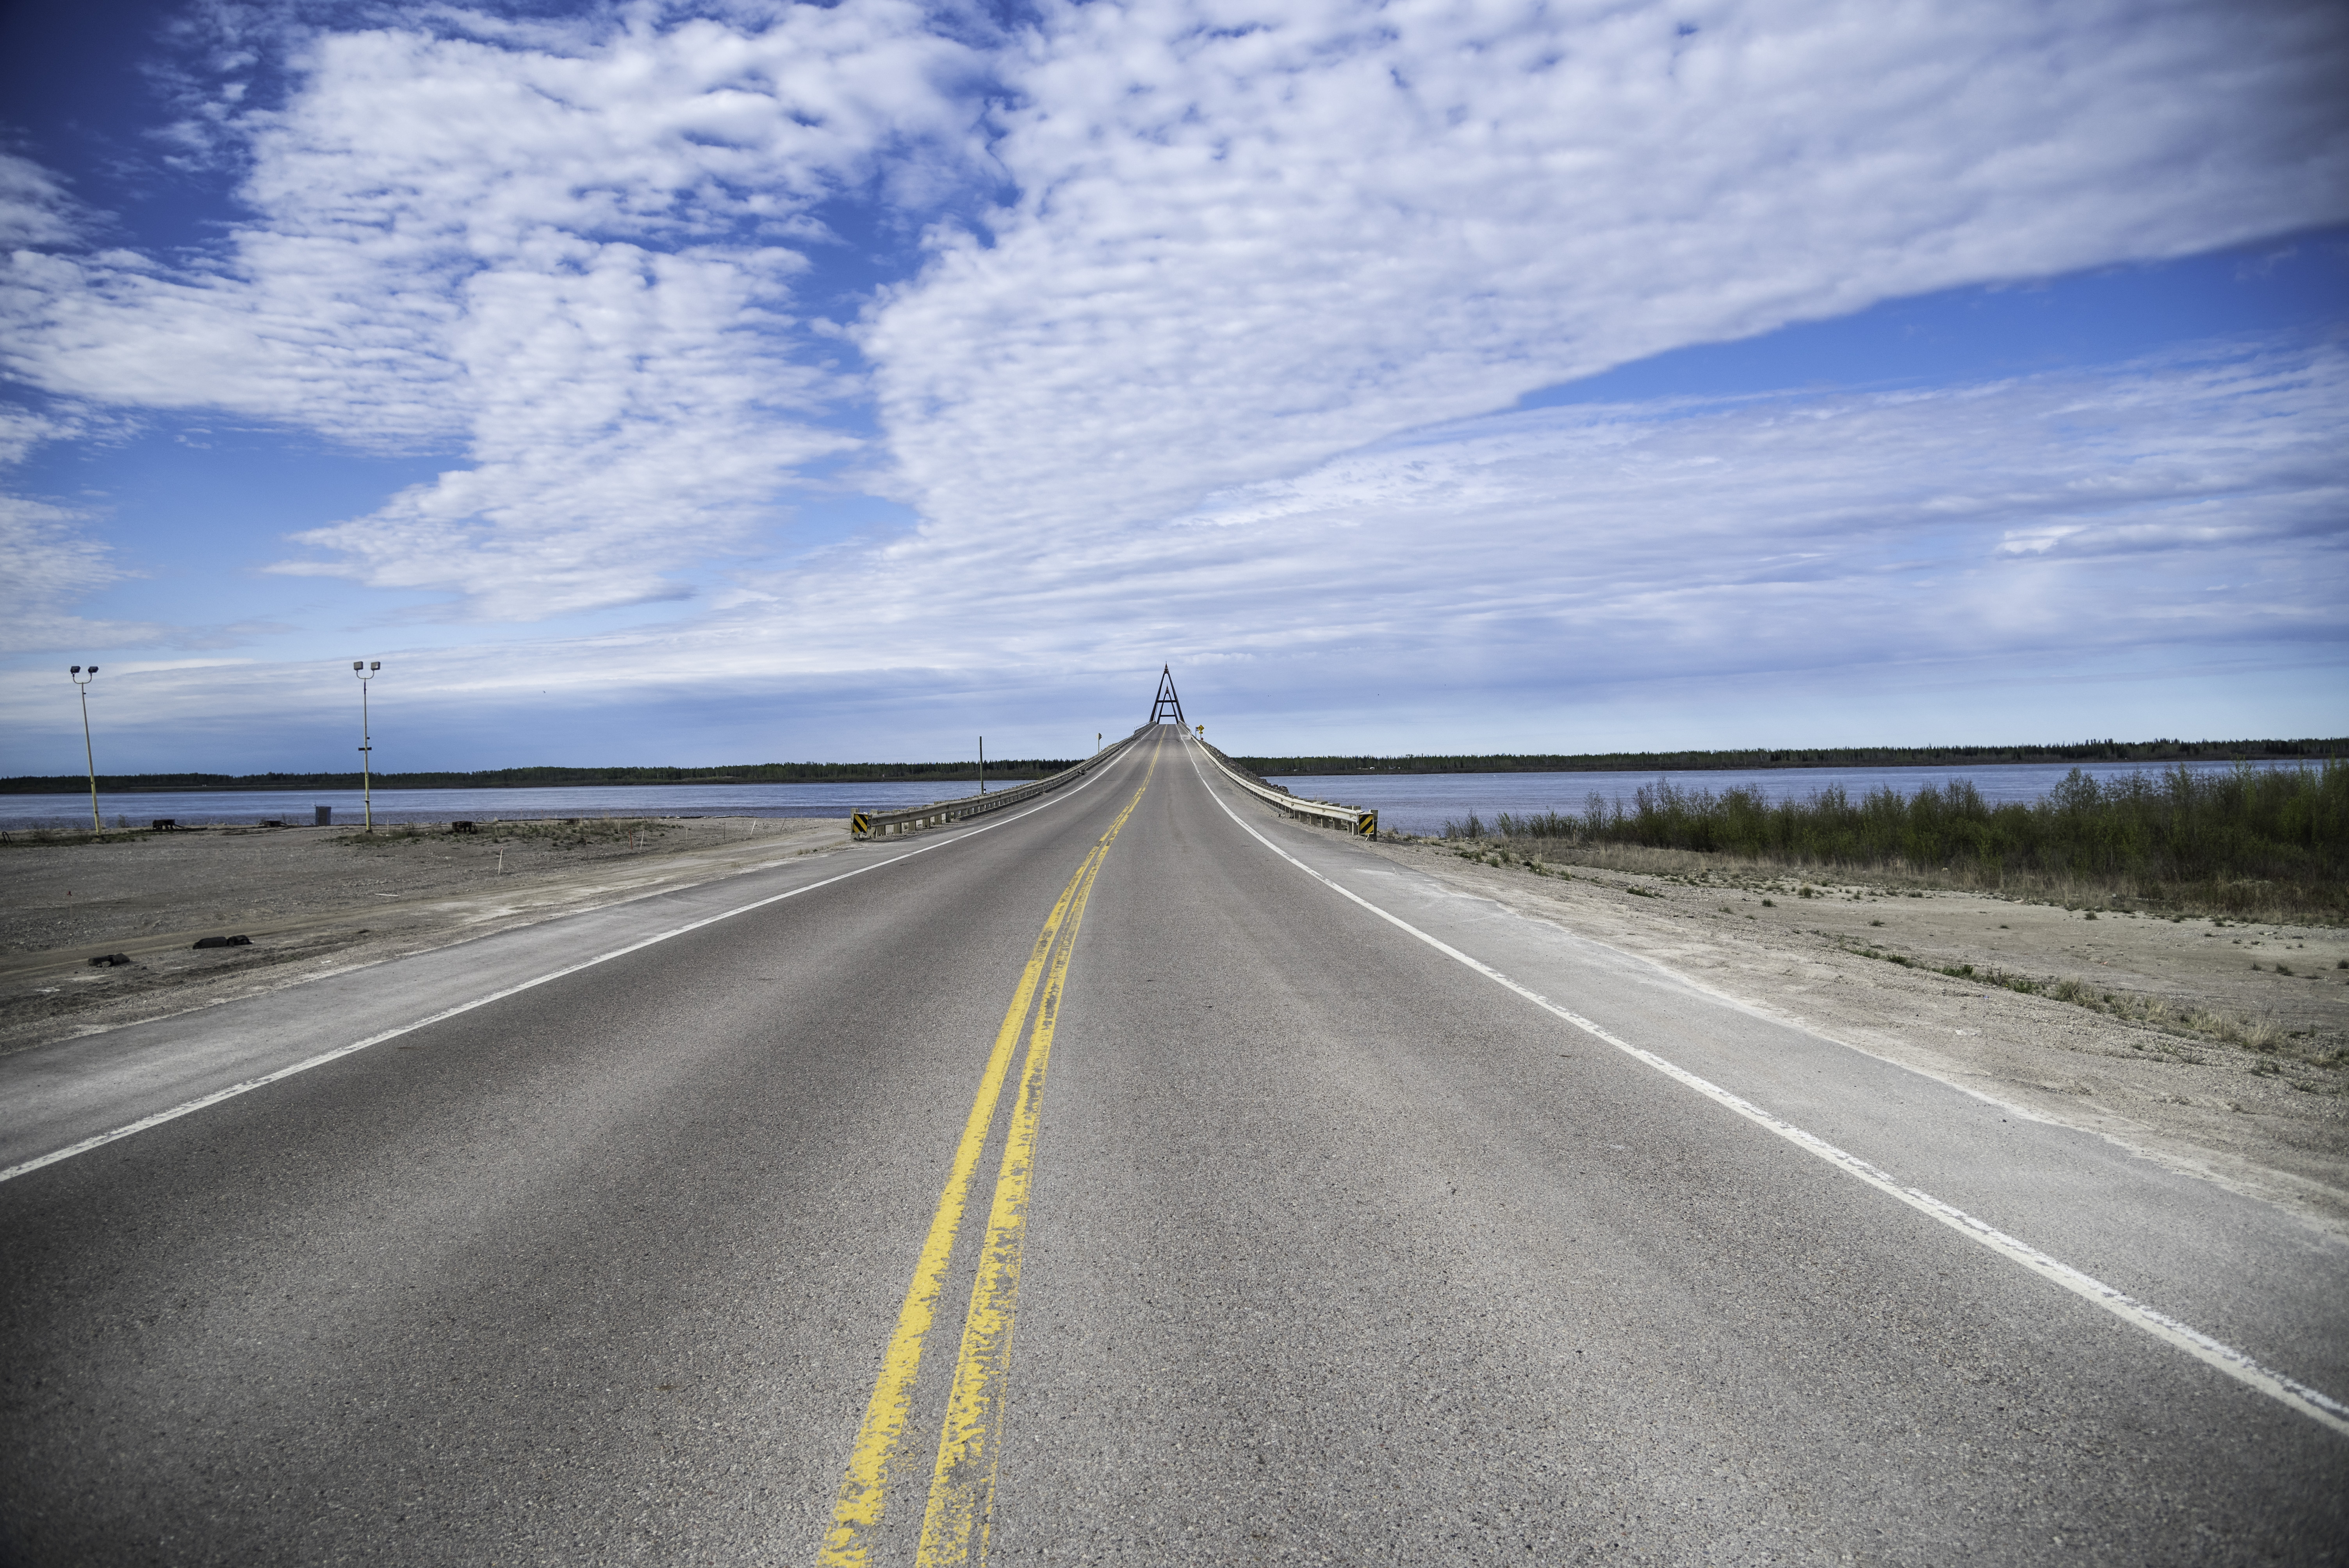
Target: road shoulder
{"type": "Point", "coordinates": [1865, 967]}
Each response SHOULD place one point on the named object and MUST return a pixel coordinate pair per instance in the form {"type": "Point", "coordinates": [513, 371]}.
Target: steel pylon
{"type": "Point", "coordinates": [1167, 703]}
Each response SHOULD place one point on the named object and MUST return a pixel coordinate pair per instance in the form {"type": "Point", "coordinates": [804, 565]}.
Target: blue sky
{"type": "Point", "coordinates": [669, 382]}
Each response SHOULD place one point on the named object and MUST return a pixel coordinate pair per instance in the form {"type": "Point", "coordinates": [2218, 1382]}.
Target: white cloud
{"type": "Point", "coordinates": [48, 560]}
{"type": "Point", "coordinates": [567, 250]}
{"type": "Point", "coordinates": [2052, 518]}
{"type": "Point", "coordinates": [22, 430]}
{"type": "Point", "coordinates": [2191, 506]}
{"type": "Point", "coordinates": [1246, 246]}
{"type": "Point", "coordinates": [1249, 235]}
{"type": "Point", "coordinates": [34, 207]}
{"type": "Point", "coordinates": [47, 563]}
{"type": "Point", "coordinates": [630, 425]}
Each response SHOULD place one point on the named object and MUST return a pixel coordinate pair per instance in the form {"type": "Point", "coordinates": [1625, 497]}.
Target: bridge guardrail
{"type": "Point", "coordinates": [939, 813]}
{"type": "Point", "coordinates": [1347, 818]}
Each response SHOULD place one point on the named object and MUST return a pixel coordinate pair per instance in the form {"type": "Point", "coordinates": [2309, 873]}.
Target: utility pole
{"type": "Point", "coordinates": [365, 669]}
{"type": "Point", "coordinates": [81, 683]}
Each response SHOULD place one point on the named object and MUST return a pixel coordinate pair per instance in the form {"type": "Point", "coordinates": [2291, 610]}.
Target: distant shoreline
{"type": "Point", "coordinates": [2150, 752]}
{"type": "Point", "coordinates": [539, 778]}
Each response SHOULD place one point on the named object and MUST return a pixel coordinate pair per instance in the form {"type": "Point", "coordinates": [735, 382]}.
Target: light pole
{"type": "Point", "coordinates": [982, 765]}
{"type": "Point", "coordinates": [1097, 734]}
{"type": "Point", "coordinates": [365, 669]}
{"type": "Point", "coordinates": [81, 683]}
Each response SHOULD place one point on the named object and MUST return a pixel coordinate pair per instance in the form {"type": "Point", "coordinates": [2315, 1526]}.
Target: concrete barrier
{"type": "Point", "coordinates": [940, 813]}
{"type": "Point", "coordinates": [1322, 813]}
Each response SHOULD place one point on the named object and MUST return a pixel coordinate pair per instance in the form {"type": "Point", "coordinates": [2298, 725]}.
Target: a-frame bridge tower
{"type": "Point", "coordinates": [1168, 704]}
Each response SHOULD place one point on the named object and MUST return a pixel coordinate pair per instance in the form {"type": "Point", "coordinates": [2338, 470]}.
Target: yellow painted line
{"type": "Point", "coordinates": [857, 1512]}
{"type": "Point", "coordinates": [863, 1488]}
{"type": "Point", "coordinates": [962, 1485]}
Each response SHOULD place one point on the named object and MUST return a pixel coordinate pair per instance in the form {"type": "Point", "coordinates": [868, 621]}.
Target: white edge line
{"type": "Point", "coordinates": [246, 1087]}
{"type": "Point", "coordinates": [2308, 1401]}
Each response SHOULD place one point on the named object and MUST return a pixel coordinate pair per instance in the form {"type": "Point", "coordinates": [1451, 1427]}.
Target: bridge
{"type": "Point", "coordinates": [1144, 1169]}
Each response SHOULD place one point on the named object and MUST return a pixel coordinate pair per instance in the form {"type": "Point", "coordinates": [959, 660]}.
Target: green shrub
{"type": "Point", "coordinates": [2241, 838]}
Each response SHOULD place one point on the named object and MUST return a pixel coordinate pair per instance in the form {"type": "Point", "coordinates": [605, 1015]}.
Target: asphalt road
{"type": "Point", "coordinates": [1282, 1236]}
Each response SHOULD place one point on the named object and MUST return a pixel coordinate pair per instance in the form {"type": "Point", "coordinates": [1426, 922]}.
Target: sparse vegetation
{"type": "Point", "coordinates": [2250, 842]}
{"type": "Point", "coordinates": [2259, 1034]}
{"type": "Point", "coordinates": [552, 832]}
{"type": "Point", "coordinates": [26, 837]}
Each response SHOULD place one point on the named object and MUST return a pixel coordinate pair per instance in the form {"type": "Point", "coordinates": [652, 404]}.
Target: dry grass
{"type": "Point", "coordinates": [2260, 1034]}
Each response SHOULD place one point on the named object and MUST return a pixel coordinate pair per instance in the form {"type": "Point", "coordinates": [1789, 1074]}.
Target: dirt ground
{"type": "Point", "coordinates": [2208, 1045]}
{"type": "Point", "coordinates": [315, 900]}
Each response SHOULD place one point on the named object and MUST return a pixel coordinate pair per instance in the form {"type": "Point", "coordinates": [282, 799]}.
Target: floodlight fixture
{"type": "Point", "coordinates": [365, 670]}
{"type": "Point", "coordinates": [81, 680]}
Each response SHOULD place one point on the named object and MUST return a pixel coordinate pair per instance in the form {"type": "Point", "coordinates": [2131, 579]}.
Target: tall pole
{"type": "Point", "coordinates": [366, 671]}
{"type": "Point", "coordinates": [81, 683]}
{"type": "Point", "coordinates": [982, 765]}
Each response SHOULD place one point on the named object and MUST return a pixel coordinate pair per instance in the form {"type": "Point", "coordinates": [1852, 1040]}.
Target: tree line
{"type": "Point", "coordinates": [2149, 751]}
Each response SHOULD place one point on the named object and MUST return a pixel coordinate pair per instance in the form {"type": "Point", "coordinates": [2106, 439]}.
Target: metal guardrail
{"type": "Point", "coordinates": [939, 813]}
{"type": "Point", "coordinates": [1362, 823]}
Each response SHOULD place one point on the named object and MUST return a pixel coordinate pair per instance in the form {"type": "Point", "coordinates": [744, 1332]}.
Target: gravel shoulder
{"type": "Point", "coordinates": [317, 901]}
{"type": "Point", "coordinates": [2211, 1047]}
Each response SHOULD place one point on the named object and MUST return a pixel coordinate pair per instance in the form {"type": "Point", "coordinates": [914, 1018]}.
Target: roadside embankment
{"type": "Point", "coordinates": [317, 900]}
{"type": "Point", "coordinates": [2208, 1044]}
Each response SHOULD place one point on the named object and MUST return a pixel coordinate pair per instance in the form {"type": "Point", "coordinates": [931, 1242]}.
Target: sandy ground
{"type": "Point", "coordinates": [318, 900]}
{"type": "Point", "coordinates": [2209, 1046]}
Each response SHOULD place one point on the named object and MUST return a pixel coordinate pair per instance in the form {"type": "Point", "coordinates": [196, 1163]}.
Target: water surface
{"type": "Point", "coordinates": [191, 808]}
{"type": "Point", "coordinates": [1423, 802]}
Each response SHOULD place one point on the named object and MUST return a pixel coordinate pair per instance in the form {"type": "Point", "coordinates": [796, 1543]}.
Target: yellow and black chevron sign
{"type": "Point", "coordinates": [1367, 826]}
{"type": "Point", "coordinates": [859, 825]}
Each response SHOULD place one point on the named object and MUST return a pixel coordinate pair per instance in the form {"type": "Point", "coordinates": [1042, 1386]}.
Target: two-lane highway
{"type": "Point", "coordinates": [1105, 1182]}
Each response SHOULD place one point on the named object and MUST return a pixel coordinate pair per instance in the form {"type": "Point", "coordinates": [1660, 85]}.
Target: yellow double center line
{"type": "Point", "coordinates": [962, 1484]}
